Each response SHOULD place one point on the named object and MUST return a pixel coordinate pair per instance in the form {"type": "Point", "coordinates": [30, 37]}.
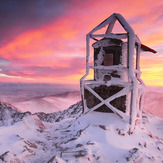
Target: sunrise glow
{"type": "Point", "coordinates": [49, 46]}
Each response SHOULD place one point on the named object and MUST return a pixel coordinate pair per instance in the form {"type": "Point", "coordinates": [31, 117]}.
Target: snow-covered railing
{"type": "Point", "coordinates": [117, 36]}
{"type": "Point", "coordinates": [111, 82]}
{"type": "Point", "coordinates": [115, 67]}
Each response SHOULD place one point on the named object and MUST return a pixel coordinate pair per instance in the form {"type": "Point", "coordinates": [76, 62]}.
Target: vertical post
{"type": "Point", "coordinates": [134, 91]}
{"type": "Point", "coordinates": [87, 69]}
{"type": "Point", "coordinates": [87, 52]}
{"type": "Point", "coordinates": [141, 90]}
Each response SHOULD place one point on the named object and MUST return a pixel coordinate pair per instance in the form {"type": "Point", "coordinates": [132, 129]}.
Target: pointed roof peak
{"type": "Point", "coordinates": [110, 21]}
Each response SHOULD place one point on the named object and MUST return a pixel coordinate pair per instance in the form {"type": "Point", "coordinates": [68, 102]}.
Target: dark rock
{"type": "Point", "coordinates": [10, 115]}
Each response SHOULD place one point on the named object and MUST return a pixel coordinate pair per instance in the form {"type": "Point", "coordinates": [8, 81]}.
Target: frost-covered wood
{"type": "Point", "coordinates": [121, 74]}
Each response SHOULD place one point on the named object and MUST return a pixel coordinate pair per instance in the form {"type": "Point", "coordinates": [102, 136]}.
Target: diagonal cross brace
{"type": "Point", "coordinates": [107, 101]}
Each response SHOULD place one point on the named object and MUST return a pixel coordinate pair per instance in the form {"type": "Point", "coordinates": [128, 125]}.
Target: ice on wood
{"type": "Point", "coordinates": [117, 86]}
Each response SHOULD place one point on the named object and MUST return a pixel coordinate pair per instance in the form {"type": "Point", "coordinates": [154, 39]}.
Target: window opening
{"type": "Point", "coordinates": [108, 59]}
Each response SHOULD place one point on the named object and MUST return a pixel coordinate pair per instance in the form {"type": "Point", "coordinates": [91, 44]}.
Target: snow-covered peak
{"type": "Point", "coordinates": [70, 136]}
{"type": "Point", "coordinates": [9, 114]}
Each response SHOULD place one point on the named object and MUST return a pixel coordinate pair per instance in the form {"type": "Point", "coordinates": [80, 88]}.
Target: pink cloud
{"type": "Point", "coordinates": [57, 49]}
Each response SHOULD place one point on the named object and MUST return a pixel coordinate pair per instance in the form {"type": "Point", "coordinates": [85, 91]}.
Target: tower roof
{"type": "Point", "coordinates": [110, 21]}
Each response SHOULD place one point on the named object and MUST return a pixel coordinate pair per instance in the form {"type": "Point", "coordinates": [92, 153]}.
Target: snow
{"type": "Point", "coordinates": [69, 136]}
{"type": "Point", "coordinates": [46, 103]}
{"type": "Point", "coordinates": [153, 101]}
{"type": "Point", "coordinates": [34, 105]}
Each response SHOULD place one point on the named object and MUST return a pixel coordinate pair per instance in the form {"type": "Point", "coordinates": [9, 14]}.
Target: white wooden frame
{"type": "Point", "coordinates": [134, 87]}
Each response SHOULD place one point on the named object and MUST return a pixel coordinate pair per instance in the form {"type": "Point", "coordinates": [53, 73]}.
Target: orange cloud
{"type": "Point", "coordinates": [155, 39]}
{"type": "Point", "coordinates": [52, 39]}
{"type": "Point", "coordinates": [152, 70]}
{"type": "Point", "coordinates": [55, 52]}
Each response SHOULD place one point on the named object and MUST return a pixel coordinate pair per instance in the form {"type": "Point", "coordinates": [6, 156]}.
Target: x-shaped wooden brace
{"type": "Point", "coordinates": [107, 101]}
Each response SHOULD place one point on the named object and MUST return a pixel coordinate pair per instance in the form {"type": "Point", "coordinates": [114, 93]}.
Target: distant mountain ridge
{"type": "Point", "coordinates": [68, 93]}
{"type": "Point", "coordinates": [10, 114]}
{"type": "Point", "coordinates": [44, 103]}
{"type": "Point", "coordinates": [153, 102]}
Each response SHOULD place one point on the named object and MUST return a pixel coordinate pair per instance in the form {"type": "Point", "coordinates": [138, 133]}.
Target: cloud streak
{"type": "Point", "coordinates": [45, 40]}
{"type": "Point", "coordinates": [63, 69]}
{"type": "Point", "coordinates": [20, 15]}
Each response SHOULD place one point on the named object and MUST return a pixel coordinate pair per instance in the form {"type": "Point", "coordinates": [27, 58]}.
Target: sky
{"type": "Point", "coordinates": [43, 41]}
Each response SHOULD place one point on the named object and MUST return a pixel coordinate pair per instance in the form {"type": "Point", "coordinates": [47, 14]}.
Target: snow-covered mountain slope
{"type": "Point", "coordinates": [153, 102]}
{"type": "Point", "coordinates": [48, 104]}
{"type": "Point", "coordinates": [70, 136]}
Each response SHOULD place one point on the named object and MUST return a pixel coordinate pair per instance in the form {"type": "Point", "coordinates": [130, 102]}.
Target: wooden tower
{"type": "Point", "coordinates": [116, 86]}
